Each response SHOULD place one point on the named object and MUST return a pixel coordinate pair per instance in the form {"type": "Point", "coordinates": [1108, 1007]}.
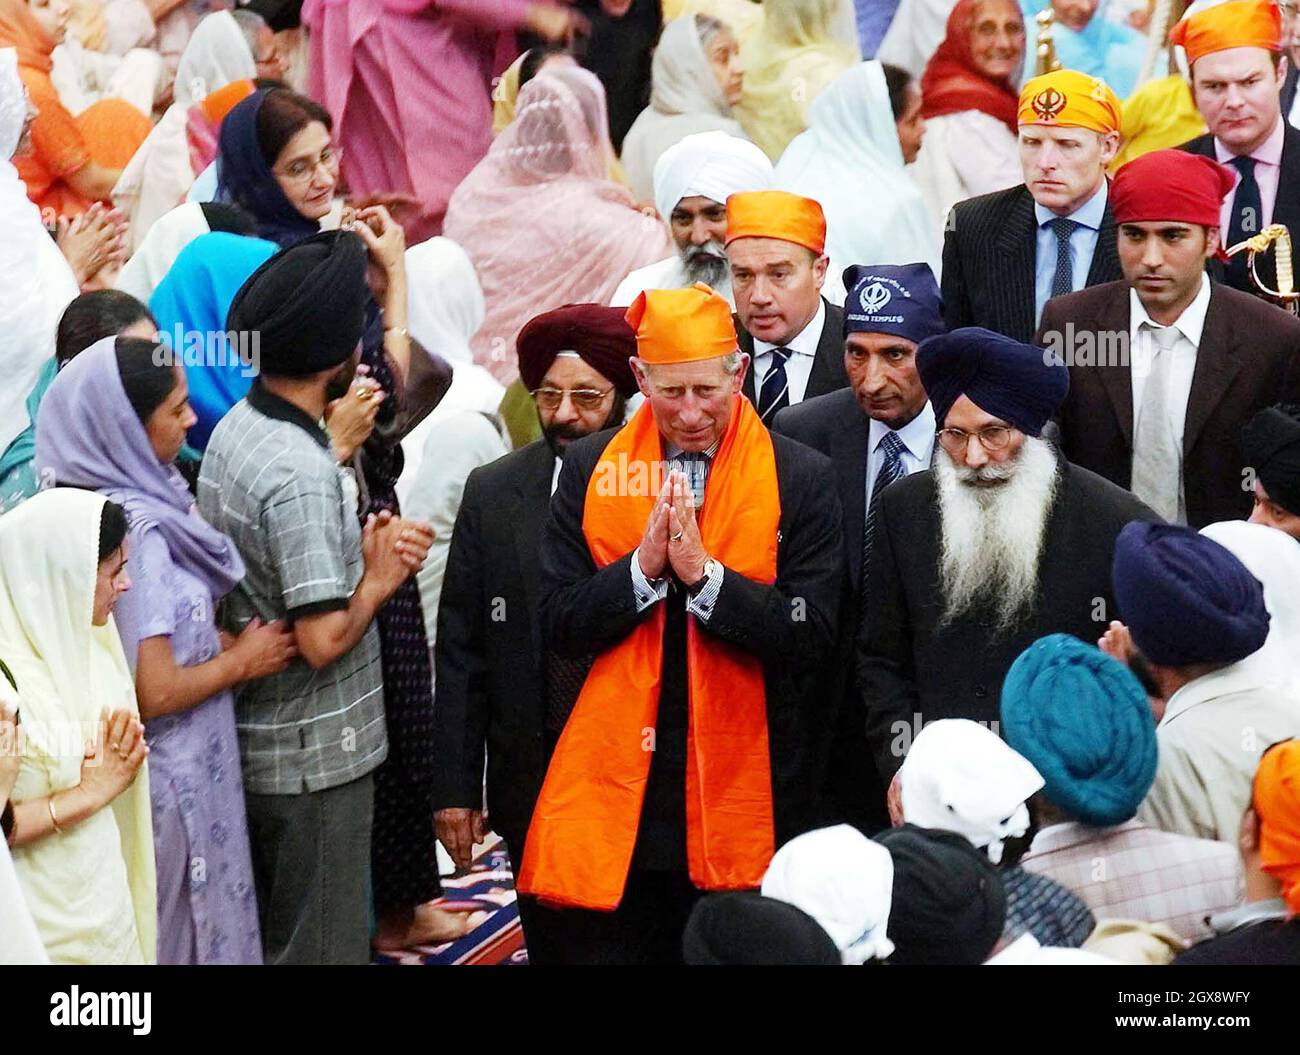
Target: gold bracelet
{"type": "Point", "coordinates": [54, 817]}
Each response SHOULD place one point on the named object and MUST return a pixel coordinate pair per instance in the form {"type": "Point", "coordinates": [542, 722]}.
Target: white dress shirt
{"type": "Point", "coordinates": [917, 437]}
{"type": "Point", "coordinates": [798, 368]}
{"type": "Point", "coordinates": [1189, 325]}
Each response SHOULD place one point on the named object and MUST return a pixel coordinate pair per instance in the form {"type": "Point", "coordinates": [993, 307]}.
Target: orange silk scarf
{"type": "Point", "coordinates": [584, 828]}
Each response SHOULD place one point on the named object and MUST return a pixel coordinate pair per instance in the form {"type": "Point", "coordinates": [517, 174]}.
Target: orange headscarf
{"type": "Point", "coordinates": [681, 325]}
{"type": "Point", "coordinates": [1238, 24]}
{"type": "Point", "coordinates": [580, 843]}
{"type": "Point", "coordinates": [1277, 805]}
{"type": "Point", "coordinates": [1069, 99]}
{"type": "Point", "coordinates": [19, 29]}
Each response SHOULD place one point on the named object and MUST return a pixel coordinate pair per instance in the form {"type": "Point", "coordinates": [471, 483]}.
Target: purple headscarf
{"type": "Point", "coordinates": [88, 435]}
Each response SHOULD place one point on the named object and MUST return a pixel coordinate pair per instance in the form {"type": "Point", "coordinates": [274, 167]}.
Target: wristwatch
{"type": "Point", "coordinates": [698, 584]}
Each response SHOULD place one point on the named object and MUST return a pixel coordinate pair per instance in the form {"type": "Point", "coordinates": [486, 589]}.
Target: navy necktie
{"type": "Point", "coordinates": [891, 469]}
{"type": "Point", "coordinates": [695, 464]}
{"type": "Point", "coordinates": [775, 393]}
{"type": "Point", "coordinates": [1063, 276]}
{"type": "Point", "coordinates": [1245, 220]}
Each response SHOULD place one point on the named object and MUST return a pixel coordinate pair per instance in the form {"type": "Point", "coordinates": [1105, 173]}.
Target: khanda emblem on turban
{"type": "Point", "coordinates": [875, 297]}
{"type": "Point", "coordinates": [1048, 103]}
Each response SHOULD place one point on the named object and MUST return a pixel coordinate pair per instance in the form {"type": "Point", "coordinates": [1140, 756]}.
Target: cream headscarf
{"type": "Point", "coordinates": [685, 98]}
{"type": "Point", "coordinates": [68, 671]}
{"type": "Point", "coordinates": [801, 49]}
{"type": "Point", "coordinates": [36, 283]}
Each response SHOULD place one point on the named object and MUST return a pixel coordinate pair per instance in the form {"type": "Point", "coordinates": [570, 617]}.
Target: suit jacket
{"type": "Point", "coordinates": [1249, 358]}
{"type": "Point", "coordinates": [828, 372]}
{"type": "Point", "coordinates": [836, 425]}
{"type": "Point", "coordinates": [489, 689]}
{"type": "Point", "coordinates": [914, 670]}
{"type": "Point", "coordinates": [1288, 89]}
{"type": "Point", "coordinates": [1286, 210]}
{"type": "Point", "coordinates": [791, 625]}
{"type": "Point", "coordinates": [989, 261]}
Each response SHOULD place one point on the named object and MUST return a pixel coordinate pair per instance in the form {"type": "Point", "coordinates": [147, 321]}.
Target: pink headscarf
{"type": "Point", "coordinates": [541, 220]}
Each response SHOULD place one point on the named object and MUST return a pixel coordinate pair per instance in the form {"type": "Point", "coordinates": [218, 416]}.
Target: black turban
{"type": "Point", "coordinates": [1271, 441]}
{"type": "Point", "coordinates": [949, 904]}
{"type": "Point", "coordinates": [307, 303]}
{"type": "Point", "coordinates": [1016, 382]}
{"type": "Point", "coordinates": [745, 928]}
{"type": "Point", "coordinates": [600, 335]}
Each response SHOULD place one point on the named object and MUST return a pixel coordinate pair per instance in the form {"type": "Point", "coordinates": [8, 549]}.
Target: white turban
{"type": "Point", "coordinates": [844, 881]}
{"type": "Point", "coordinates": [961, 777]}
{"type": "Point", "coordinates": [713, 165]}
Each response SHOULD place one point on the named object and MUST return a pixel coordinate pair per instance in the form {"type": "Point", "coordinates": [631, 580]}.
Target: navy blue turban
{"type": "Point", "coordinates": [743, 927]}
{"type": "Point", "coordinates": [949, 903]}
{"type": "Point", "coordinates": [1016, 382]}
{"type": "Point", "coordinates": [902, 299]}
{"type": "Point", "coordinates": [1186, 599]}
{"type": "Point", "coordinates": [1083, 720]}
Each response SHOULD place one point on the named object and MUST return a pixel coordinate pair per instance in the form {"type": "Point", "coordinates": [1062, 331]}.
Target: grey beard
{"type": "Point", "coordinates": [992, 537]}
{"type": "Point", "coordinates": [702, 264]}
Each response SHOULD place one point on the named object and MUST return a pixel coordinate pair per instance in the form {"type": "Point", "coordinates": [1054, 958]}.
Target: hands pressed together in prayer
{"type": "Point", "coordinates": [394, 548]}
{"type": "Point", "coordinates": [351, 419]}
{"type": "Point", "coordinates": [94, 244]}
{"type": "Point", "coordinates": [112, 761]}
{"type": "Point", "coordinates": [672, 535]}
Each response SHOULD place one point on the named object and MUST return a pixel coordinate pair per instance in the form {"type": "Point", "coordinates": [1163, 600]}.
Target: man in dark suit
{"type": "Point", "coordinates": [878, 430]}
{"type": "Point", "coordinates": [790, 332]}
{"type": "Point", "coordinates": [1238, 76]}
{"type": "Point", "coordinates": [1002, 542]}
{"type": "Point", "coordinates": [493, 693]}
{"type": "Point", "coordinates": [1195, 359]}
{"type": "Point", "coordinates": [1006, 253]}
{"type": "Point", "coordinates": [722, 622]}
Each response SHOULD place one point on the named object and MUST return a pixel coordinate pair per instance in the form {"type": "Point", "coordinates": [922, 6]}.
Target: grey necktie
{"type": "Point", "coordinates": [1157, 454]}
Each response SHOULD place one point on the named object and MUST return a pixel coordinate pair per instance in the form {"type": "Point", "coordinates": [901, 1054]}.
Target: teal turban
{"type": "Point", "coordinates": [1083, 720]}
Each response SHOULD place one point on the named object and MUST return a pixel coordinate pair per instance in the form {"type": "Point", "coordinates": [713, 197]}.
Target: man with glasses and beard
{"type": "Point", "coordinates": [1002, 542]}
{"type": "Point", "coordinates": [496, 693]}
{"type": "Point", "coordinates": [693, 180]}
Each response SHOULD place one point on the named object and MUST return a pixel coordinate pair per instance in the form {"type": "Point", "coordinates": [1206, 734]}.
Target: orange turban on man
{"type": "Point", "coordinates": [777, 214]}
{"type": "Point", "coordinates": [1069, 99]}
{"type": "Point", "coordinates": [1237, 24]}
{"type": "Point", "coordinates": [1277, 806]}
{"type": "Point", "coordinates": [681, 325]}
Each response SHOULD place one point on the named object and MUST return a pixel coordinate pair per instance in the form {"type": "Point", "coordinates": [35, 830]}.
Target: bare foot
{"type": "Point", "coordinates": [429, 926]}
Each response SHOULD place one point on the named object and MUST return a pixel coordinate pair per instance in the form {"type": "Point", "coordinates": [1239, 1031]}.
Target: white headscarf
{"type": "Point", "coordinates": [713, 165]}
{"type": "Point", "coordinates": [1273, 557]}
{"type": "Point", "coordinates": [160, 173]}
{"type": "Point", "coordinates": [844, 881]}
{"type": "Point", "coordinates": [68, 671]}
{"type": "Point", "coordinates": [445, 308]}
{"type": "Point", "coordinates": [160, 248]}
{"type": "Point", "coordinates": [684, 98]}
{"type": "Point", "coordinates": [36, 283]}
{"type": "Point", "coordinates": [961, 777]}
{"type": "Point", "coordinates": [850, 160]}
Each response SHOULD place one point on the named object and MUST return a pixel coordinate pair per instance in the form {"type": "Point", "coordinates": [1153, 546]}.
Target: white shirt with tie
{"type": "Point", "coordinates": [1189, 325]}
{"type": "Point", "coordinates": [803, 353]}
{"type": "Point", "coordinates": [917, 437]}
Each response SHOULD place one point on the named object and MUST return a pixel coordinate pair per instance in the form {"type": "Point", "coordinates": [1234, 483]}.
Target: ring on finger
{"type": "Point", "coordinates": [677, 537]}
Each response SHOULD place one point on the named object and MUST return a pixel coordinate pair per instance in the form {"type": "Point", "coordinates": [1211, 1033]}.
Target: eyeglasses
{"type": "Point", "coordinates": [956, 441]}
{"type": "Point", "coordinates": [583, 398]}
{"type": "Point", "coordinates": [302, 170]}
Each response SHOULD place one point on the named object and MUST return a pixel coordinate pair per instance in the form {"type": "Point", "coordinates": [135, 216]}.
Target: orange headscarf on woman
{"type": "Point", "coordinates": [20, 30]}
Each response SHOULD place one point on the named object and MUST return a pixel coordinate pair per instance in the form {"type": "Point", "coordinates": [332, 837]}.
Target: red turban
{"type": "Point", "coordinates": [598, 334]}
{"type": "Point", "coordinates": [1171, 186]}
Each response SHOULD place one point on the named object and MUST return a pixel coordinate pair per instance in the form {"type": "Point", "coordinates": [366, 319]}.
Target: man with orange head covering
{"type": "Point", "coordinates": [1167, 365]}
{"type": "Point", "coordinates": [698, 557]}
{"type": "Point", "coordinates": [1266, 929]}
{"type": "Point", "coordinates": [1006, 253]}
{"type": "Point", "coordinates": [1238, 70]}
{"type": "Point", "coordinates": [776, 244]}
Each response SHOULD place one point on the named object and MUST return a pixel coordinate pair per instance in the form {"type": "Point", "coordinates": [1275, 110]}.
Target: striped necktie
{"type": "Point", "coordinates": [775, 393]}
{"type": "Point", "coordinates": [891, 469]}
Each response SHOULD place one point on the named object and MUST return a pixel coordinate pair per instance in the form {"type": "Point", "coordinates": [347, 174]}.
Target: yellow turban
{"type": "Point", "coordinates": [1243, 24]}
{"type": "Point", "coordinates": [776, 214]}
{"type": "Point", "coordinates": [1069, 99]}
{"type": "Point", "coordinates": [681, 325]}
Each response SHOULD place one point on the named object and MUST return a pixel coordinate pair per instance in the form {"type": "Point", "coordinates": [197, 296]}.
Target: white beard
{"type": "Point", "coordinates": [991, 538]}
